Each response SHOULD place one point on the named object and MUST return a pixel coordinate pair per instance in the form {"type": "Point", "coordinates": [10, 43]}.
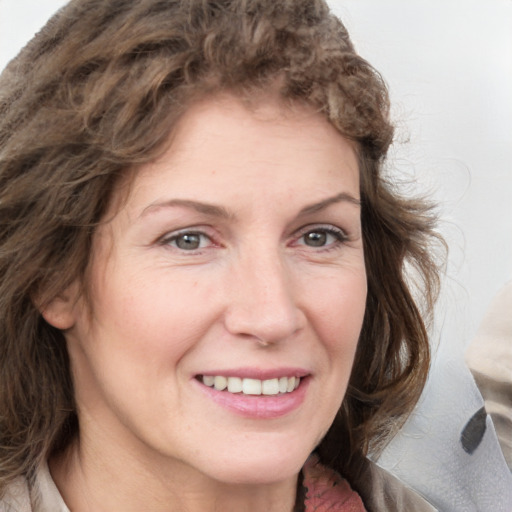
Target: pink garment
{"type": "Point", "coordinates": [327, 491]}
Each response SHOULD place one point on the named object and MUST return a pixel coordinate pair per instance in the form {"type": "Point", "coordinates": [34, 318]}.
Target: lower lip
{"type": "Point", "coordinates": [258, 406]}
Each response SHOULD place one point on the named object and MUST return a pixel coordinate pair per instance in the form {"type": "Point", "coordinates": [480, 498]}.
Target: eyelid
{"type": "Point", "coordinates": [171, 236]}
{"type": "Point", "coordinates": [336, 231]}
{"type": "Point", "coordinates": [339, 235]}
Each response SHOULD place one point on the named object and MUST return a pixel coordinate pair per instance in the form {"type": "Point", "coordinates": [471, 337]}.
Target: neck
{"type": "Point", "coordinates": [89, 480]}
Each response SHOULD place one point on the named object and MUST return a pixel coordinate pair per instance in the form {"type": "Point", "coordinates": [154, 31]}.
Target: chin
{"type": "Point", "coordinates": [266, 466]}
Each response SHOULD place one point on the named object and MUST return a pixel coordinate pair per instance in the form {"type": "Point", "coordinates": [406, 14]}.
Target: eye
{"type": "Point", "coordinates": [188, 240]}
{"type": "Point", "coordinates": [322, 237]}
{"type": "Point", "coordinates": [316, 238]}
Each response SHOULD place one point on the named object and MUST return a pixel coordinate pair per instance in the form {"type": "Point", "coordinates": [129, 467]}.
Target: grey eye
{"type": "Point", "coordinates": [316, 238]}
{"type": "Point", "coordinates": [188, 241]}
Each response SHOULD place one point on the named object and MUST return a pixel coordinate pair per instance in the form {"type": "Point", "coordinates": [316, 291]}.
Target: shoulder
{"type": "Point", "coordinates": [16, 497]}
{"type": "Point", "coordinates": [40, 495]}
{"type": "Point", "coordinates": [383, 492]}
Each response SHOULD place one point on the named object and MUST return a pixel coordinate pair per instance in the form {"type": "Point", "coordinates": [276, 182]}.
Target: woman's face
{"type": "Point", "coordinates": [236, 260]}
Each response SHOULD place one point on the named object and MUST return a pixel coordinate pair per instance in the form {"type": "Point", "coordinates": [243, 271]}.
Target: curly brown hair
{"type": "Point", "coordinates": [98, 91]}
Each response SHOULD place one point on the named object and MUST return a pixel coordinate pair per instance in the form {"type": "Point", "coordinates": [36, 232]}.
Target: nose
{"type": "Point", "coordinates": [262, 300]}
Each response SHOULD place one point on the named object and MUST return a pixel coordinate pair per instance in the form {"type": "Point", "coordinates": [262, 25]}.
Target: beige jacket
{"type": "Point", "coordinates": [383, 494]}
{"type": "Point", "coordinates": [490, 360]}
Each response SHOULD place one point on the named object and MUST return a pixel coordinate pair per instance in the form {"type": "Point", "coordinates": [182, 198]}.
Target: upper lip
{"type": "Point", "coordinates": [259, 373]}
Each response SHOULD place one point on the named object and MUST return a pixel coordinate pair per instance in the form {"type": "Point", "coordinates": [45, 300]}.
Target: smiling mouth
{"type": "Point", "coordinates": [251, 387]}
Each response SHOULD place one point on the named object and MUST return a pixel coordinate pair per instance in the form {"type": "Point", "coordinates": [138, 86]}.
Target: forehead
{"type": "Point", "coordinates": [265, 146]}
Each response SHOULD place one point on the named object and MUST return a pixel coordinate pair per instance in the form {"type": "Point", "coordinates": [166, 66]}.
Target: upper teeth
{"type": "Point", "coordinates": [252, 386]}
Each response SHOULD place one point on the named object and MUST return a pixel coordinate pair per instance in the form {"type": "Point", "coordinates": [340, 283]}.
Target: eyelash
{"type": "Point", "coordinates": [174, 237]}
{"type": "Point", "coordinates": [339, 235]}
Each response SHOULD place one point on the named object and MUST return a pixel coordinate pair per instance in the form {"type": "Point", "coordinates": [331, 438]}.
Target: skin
{"type": "Point", "coordinates": [277, 281]}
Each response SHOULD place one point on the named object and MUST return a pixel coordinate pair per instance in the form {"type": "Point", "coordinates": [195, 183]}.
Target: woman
{"type": "Point", "coordinates": [204, 300]}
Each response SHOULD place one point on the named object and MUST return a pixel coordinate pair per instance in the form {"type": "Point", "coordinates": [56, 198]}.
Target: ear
{"type": "Point", "coordinates": [60, 312]}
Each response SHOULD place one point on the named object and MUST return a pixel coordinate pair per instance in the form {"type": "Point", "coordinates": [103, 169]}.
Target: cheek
{"type": "Point", "coordinates": [337, 323]}
{"type": "Point", "coordinates": [157, 315]}
{"type": "Point", "coordinates": [340, 307]}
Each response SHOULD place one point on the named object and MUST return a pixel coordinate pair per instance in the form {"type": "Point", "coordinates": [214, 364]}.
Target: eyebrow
{"type": "Point", "coordinates": [213, 210]}
{"type": "Point", "coordinates": [343, 197]}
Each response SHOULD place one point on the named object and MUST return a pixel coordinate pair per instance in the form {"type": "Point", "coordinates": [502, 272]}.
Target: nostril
{"type": "Point", "coordinates": [264, 320]}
